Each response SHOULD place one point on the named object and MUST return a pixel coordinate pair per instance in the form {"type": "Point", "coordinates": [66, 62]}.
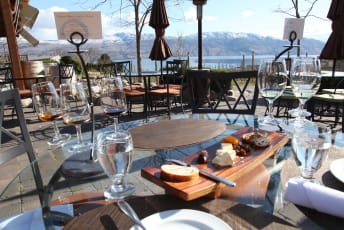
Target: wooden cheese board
{"type": "Point", "coordinates": [203, 186]}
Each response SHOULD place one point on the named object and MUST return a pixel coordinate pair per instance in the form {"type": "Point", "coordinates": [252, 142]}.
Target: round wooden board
{"type": "Point", "coordinates": [175, 133]}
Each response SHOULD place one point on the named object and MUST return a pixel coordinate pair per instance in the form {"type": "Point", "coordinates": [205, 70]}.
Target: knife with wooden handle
{"type": "Point", "coordinates": [204, 172]}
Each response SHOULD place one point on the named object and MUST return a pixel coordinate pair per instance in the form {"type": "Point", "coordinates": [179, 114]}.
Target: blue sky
{"type": "Point", "coordinates": [238, 16]}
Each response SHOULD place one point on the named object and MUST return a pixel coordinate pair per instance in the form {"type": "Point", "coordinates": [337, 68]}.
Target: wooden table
{"type": "Point", "coordinates": [169, 134]}
{"type": "Point", "coordinates": [236, 215]}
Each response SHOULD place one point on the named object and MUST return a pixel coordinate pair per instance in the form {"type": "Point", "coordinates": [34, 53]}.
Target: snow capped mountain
{"type": "Point", "coordinates": [123, 45]}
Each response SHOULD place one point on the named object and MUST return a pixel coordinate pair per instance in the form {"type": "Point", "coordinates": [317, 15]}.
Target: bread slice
{"type": "Point", "coordinates": [178, 173]}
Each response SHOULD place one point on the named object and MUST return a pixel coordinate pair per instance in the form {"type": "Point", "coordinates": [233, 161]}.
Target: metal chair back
{"type": "Point", "coordinates": [23, 143]}
{"type": "Point", "coordinates": [223, 92]}
{"type": "Point", "coordinates": [66, 72]}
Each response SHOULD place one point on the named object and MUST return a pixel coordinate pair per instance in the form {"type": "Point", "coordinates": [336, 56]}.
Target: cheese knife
{"type": "Point", "coordinates": [204, 172]}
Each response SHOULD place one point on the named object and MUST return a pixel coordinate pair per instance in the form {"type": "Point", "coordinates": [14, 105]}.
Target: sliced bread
{"type": "Point", "coordinates": [178, 173]}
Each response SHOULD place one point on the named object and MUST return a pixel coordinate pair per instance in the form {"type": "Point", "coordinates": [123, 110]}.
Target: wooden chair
{"type": "Point", "coordinates": [329, 102]}
{"type": "Point", "coordinates": [135, 93]}
{"type": "Point", "coordinates": [223, 92]}
{"type": "Point", "coordinates": [170, 89]}
{"type": "Point", "coordinates": [7, 82]}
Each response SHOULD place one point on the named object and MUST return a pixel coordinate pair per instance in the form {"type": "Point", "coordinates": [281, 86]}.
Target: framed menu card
{"type": "Point", "coordinates": [293, 24]}
{"type": "Point", "coordinates": [88, 23]}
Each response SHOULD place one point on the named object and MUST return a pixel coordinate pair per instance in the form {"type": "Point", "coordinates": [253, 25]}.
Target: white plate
{"type": "Point", "coordinates": [337, 169]}
{"type": "Point", "coordinates": [185, 219]}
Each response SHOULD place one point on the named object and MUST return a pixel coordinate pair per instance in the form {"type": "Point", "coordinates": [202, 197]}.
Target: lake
{"type": "Point", "coordinates": [214, 62]}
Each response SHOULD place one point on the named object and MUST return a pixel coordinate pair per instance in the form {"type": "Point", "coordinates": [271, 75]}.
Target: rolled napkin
{"type": "Point", "coordinates": [315, 196]}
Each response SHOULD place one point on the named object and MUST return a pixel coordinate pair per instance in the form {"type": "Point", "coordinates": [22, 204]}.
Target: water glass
{"type": "Point", "coordinates": [310, 145]}
{"type": "Point", "coordinates": [272, 80]}
{"type": "Point", "coordinates": [114, 152]}
{"type": "Point", "coordinates": [305, 82]}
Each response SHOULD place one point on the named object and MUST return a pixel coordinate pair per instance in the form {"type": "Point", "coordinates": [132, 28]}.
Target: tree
{"type": "Point", "coordinates": [294, 11]}
{"type": "Point", "coordinates": [104, 59]}
{"type": "Point", "coordinates": [142, 9]}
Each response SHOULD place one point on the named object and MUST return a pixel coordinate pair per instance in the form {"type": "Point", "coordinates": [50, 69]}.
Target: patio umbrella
{"type": "Point", "coordinates": [159, 21]}
{"type": "Point", "coordinates": [160, 50]}
{"type": "Point", "coordinates": [334, 47]}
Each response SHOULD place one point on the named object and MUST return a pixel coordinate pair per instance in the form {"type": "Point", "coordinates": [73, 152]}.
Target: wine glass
{"type": "Point", "coordinates": [76, 111]}
{"type": "Point", "coordinates": [310, 145]}
{"type": "Point", "coordinates": [305, 82]}
{"type": "Point", "coordinates": [113, 98]}
{"type": "Point", "coordinates": [47, 105]}
{"type": "Point", "coordinates": [114, 152]}
{"type": "Point", "coordinates": [272, 80]}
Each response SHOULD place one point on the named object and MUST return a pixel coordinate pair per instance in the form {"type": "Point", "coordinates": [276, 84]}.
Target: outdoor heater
{"type": "Point", "coordinates": [199, 4]}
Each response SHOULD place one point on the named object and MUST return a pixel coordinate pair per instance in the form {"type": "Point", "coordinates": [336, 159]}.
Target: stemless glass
{"type": "Point", "coordinates": [47, 104]}
{"type": "Point", "coordinates": [76, 111]}
{"type": "Point", "coordinates": [114, 152]}
{"type": "Point", "coordinates": [272, 80]}
{"type": "Point", "coordinates": [113, 98]}
{"type": "Point", "coordinates": [305, 82]}
{"type": "Point", "coordinates": [310, 145]}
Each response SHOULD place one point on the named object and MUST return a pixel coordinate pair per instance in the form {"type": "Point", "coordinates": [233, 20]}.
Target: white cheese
{"type": "Point", "coordinates": [225, 155]}
{"type": "Point", "coordinates": [226, 146]}
{"type": "Point", "coordinates": [223, 160]}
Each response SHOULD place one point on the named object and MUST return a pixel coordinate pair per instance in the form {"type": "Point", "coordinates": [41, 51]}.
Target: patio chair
{"type": "Point", "coordinates": [134, 92]}
{"type": "Point", "coordinates": [7, 81]}
{"type": "Point", "coordinates": [21, 143]}
{"type": "Point", "coordinates": [17, 145]}
{"type": "Point", "coordinates": [66, 73]}
{"type": "Point", "coordinates": [224, 92]}
{"type": "Point", "coordinates": [171, 87]}
{"type": "Point", "coordinates": [329, 102]}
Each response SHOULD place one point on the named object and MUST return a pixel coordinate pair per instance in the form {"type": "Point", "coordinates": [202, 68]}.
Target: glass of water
{"type": "Point", "coordinates": [114, 151]}
{"type": "Point", "coordinates": [272, 80]}
{"type": "Point", "coordinates": [310, 145]}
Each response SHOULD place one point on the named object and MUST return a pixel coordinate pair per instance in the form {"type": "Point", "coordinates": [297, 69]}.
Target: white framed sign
{"type": "Point", "coordinates": [88, 23]}
{"type": "Point", "coordinates": [293, 24]}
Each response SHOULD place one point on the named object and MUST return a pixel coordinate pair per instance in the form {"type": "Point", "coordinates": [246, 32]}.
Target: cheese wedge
{"type": "Point", "coordinates": [224, 159]}
{"type": "Point", "coordinates": [225, 155]}
{"type": "Point", "coordinates": [178, 173]}
{"type": "Point", "coordinates": [231, 152]}
{"type": "Point", "coordinates": [226, 146]}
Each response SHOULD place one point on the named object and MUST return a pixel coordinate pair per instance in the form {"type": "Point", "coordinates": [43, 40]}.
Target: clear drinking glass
{"type": "Point", "coordinates": [48, 108]}
{"type": "Point", "coordinates": [76, 111]}
{"type": "Point", "coordinates": [310, 145]}
{"type": "Point", "coordinates": [114, 152]}
{"type": "Point", "coordinates": [113, 98]}
{"type": "Point", "coordinates": [272, 80]}
{"type": "Point", "coordinates": [305, 82]}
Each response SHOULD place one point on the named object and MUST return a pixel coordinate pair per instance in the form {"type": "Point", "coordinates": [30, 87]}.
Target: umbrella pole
{"type": "Point", "coordinates": [334, 67]}
{"type": "Point", "coordinates": [168, 90]}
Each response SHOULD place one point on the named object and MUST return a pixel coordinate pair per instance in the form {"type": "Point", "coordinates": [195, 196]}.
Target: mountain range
{"type": "Point", "coordinates": [122, 46]}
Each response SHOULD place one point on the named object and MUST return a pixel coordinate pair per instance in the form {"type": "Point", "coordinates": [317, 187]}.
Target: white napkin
{"type": "Point", "coordinates": [315, 196]}
{"type": "Point", "coordinates": [32, 220]}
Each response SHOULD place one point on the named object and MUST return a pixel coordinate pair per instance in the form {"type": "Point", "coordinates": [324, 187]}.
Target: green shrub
{"type": "Point", "coordinates": [70, 60]}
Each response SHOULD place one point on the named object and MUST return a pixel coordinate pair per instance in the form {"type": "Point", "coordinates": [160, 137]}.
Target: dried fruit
{"type": "Point", "coordinates": [230, 139]}
{"type": "Point", "coordinates": [203, 156]}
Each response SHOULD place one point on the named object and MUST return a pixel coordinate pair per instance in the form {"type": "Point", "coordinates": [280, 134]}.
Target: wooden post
{"type": "Point", "coordinates": [7, 16]}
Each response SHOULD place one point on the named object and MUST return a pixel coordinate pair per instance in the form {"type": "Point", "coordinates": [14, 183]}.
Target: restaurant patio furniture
{"type": "Point", "coordinates": [329, 102]}
{"type": "Point", "coordinates": [231, 92]}
{"type": "Point", "coordinates": [89, 189]}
